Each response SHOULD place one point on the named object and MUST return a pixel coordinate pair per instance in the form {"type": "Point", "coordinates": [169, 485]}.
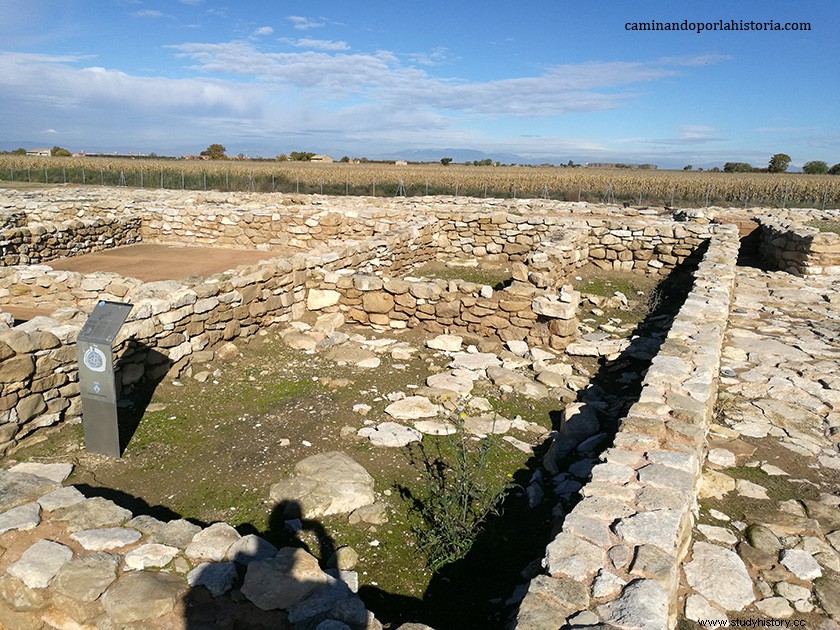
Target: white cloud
{"type": "Point", "coordinates": [380, 77]}
{"type": "Point", "coordinates": [264, 30]}
{"type": "Point", "coordinates": [690, 134]}
{"type": "Point", "coordinates": [50, 131]}
{"type": "Point", "coordinates": [44, 78]}
{"type": "Point", "coordinates": [318, 44]}
{"type": "Point", "coordinates": [147, 13]}
{"type": "Point", "coordinates": [325, 96]}
{"type": "Point", "coordinates": [304, 24]}
{"type": "Point", "coordinates": [436, 57]}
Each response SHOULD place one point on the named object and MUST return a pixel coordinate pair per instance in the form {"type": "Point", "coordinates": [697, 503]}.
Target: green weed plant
{"type": "Point", "coordinates": [456, 493]}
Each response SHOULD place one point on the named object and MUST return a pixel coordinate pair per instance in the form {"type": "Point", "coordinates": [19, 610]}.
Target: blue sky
{"type": "Point", "coordinates": [547, 80]}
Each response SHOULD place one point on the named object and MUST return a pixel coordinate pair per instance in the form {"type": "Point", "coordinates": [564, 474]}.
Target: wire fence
{"type": "Point", "coordinates": [637, 194]}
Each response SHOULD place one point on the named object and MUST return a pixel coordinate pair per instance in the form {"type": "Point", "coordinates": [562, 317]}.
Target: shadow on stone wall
{"type": "Point", "coordinates": [153, 366]}
{"type": "Point", "coordinates": [274, 582]}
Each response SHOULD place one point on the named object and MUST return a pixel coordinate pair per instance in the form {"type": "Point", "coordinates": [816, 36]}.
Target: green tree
{"type": "Point", "coordinates": [815, 167]}
{"type": "Point", "coordinates": [834, 170]}
{"type": "Point", "coordinates": [778, 163]}
{"type": "Point", "coordinates": [215, 151]}
{"type": "Point", "coordinates": [688, 167]}
{"type": "Point", "coordinates": [60, 152]}
{"type": "Point", "coordinates": [446, 161]}
{"type": "Point", "coordinates": [345, 159]}
{"type": "Point", "coordinates": [301, 156]}
{"type": "Point", "coordinates": [737, 167]}
{"type": "Point", "coordinates": [20, 151]}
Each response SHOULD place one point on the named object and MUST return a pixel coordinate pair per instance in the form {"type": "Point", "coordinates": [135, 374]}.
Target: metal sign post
{"type": "Point", "coordinates": [96, 376]}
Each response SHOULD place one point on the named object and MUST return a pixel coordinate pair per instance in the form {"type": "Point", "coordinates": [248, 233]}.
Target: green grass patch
{"type": "Point", "coordinates": [778, 487]}
{"type": "Point", "coordinates": [826, 226]}
{"type": "Point", "coordinates": [606, 286]}
{"type": "Point", "coordinates": [497, 277]}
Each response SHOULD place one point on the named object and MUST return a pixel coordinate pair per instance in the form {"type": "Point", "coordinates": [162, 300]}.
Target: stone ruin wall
{"type": "Point", "coordinates": [35, 243]}
{"type": "Point", "coordinates": [175, 326]}
{"type": "Point", "coordinates": [171, 327]}
{"type": "Point", "coordinates": [790, 245]}
{"type": "Point", "coordinates": [621, 546]}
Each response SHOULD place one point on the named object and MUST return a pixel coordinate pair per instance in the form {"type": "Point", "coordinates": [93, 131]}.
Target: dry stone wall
{"type": "Point", "coordinates": [616, 560]}
{"type": "Point", "coordinates": [40, 242]}
{"type": "Point", "coordinates": [517, 312]}
{"type": "Point", "coordinates": [792, 246]}
{"type": "Point", "coordinates": [176, 326]}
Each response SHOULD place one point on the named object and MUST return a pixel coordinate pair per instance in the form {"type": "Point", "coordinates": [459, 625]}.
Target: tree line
{"type": "Point", "coordinates": [779, 164]}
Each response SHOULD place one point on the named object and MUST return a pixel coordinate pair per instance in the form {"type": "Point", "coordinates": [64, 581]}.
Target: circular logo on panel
{"type": "Point", "coordinates": [95, 359]}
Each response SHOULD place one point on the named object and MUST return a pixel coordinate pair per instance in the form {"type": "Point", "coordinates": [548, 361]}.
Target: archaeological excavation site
{"type": "Point", "coordinates": [335, 412]}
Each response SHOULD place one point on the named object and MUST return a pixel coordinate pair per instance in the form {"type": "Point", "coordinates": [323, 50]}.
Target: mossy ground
{"type": "Point", "coordinates": [496, 275]}
{"type": "Point", "coordinates": [210, 451]}
{"type": "Point", "coordinates": [826, 226]}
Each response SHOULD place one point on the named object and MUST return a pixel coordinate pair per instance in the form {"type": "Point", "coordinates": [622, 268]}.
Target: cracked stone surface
{"type": "Point", "coordinates": [773, 451]}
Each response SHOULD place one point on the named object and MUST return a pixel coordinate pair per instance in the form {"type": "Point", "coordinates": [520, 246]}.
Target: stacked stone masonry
{"type": "Point", "coordinates": [70, 561]}
{"type": "Point", "coordinates": [616, 560]}
{"type": "Point", "coordinates": [792, 246]}
{"type": "Point", "coordinates": [42, 242]}
{"type": "Point", "coordinates": [620, 549]}
{"type": "Point", "coordinates": [175, 325]}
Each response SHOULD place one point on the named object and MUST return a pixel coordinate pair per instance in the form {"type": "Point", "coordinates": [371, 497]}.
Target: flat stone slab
{"type": "Point", "coordinates": [17, 488]}
{"type": "Point", "coordinates": [324, 484]}
{"type": "Point", "coordinates": [216, 577]}
{"type": "Point", "coordinates": [569, 556]}
{"type": "Point", "coordinates": [412, 408]}
{"type": "Point", "coordinates": [658, 528]}
{"type": "Point", "coordinates": [435, 427]}
{"type": "Point", "coordinates": [39, 564]}
{"type": "Point", "coordinates": [390, 434]}
{"type": "Point", "coordinates": [475, 361]}
{"type": "Point", "coordinates": [284, 580]}
{"type": "Point", "coordinates": [105, 538]}
{"type": "Point", "coordinates": [53, 472]}
{"type": "Point", "coordinates": [642, 604]}
{"type": "Point", "coordinates": [720, 576]}
{"type": "Point", "coordinates": [142, 595]}
{"type": "Point", "coordinates": [486, 425]}
{"type": "Point", "coordinates": [92, 513]}
{"type": "Point", "coordinates": [801, 563]}
{"type": "Point", "coordinates": [460, 384]}
{"type": "Point", "coordinates": [23, 517]}
{"type": "Point", "coordinates": [251, 548]}
{"type": "Point", "coordinates": [86, 577]}
{"type": "Point", "coordinates": [61, 497]}
{"type": "Point", "coordinates": [150, 556]}
{"type": "Point", "coordinates": [446, 343]}
{"type": "Point", "coordinates": [212, 543]}
{"type": "Point", "coordinates": [177, 533]}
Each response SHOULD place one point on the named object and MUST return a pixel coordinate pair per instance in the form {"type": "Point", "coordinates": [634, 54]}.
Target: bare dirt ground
{"type": "Point", "coordinates": [150, 262]}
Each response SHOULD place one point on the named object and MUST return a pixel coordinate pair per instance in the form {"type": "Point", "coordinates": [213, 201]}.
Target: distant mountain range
{"type": "Point", "coordinates": [459, 156]}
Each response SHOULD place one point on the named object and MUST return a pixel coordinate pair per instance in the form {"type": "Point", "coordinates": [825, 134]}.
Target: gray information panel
{"type": "Point", "coordinates": [96, 376]}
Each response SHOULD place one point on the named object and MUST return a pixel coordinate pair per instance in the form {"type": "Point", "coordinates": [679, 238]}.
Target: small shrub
{"type": "Point", "coordinates": [456, 494]}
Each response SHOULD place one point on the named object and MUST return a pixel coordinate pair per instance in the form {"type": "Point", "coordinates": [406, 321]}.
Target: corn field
{"type": "Point", "coordinates": [637, 188]}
